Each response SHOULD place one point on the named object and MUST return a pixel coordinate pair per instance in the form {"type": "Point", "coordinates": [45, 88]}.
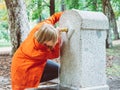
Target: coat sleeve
{"type": "Point", "coordinates": [51, 20]}
{"type": "Point", "coordinates": [54, 18]}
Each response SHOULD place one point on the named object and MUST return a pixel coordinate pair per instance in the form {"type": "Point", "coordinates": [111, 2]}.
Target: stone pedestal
{"type": "Point", "coordinates": [83, 57]}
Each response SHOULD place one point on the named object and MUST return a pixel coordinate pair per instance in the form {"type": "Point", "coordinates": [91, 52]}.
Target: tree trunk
{"type": "Point", "coordinates": [94, 5]}
{"type": "Point", "coordinates": [62, 5]}
{"type": "Point", "coordinates": [114, 25]}
{"type": "Point", "coordinates": [107, 9]}
{"type": "Point", "coordinates": [52, 7]}
{"type": "Point", "coordinates": [18, 22]}
{"type": "Point", "coordinates": [39, 6]}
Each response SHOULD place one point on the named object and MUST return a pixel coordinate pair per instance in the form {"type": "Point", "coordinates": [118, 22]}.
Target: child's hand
{"type": "Point", "coordinates": [64, 30]}
{"type": "Point", "coordinates": [61, 30]}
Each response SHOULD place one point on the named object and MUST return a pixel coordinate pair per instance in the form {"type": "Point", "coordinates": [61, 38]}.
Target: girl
{"type": "Point", "coordinates": [32, 56]}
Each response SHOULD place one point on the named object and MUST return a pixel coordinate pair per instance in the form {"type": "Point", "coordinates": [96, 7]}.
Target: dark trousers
{"type": "Point", "coordinates": [51, 71]}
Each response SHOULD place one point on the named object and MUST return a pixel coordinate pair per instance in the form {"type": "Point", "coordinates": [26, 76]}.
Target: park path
{"type": "Point", "coordinates": [116, 42]}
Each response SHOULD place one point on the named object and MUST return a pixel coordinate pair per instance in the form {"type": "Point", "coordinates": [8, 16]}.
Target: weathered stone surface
{"type": "Point", "coordinates": [83, 58]}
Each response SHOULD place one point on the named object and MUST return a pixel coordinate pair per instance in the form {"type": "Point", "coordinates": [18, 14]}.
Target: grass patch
{"type": "Point", "coordinates": [114, 51]}
{"type": "Point", "coordinates": [115, 69]}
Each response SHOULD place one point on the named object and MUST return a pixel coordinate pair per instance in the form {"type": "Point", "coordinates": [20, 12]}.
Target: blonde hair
{"type": "Point", "coordinates": [46, 33]}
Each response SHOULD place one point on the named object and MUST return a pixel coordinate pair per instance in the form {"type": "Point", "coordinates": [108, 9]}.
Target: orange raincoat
{"type": "Point", "coordinates": [29, 60]}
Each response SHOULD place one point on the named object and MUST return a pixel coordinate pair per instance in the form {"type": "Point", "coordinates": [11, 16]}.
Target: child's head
{"type": "Point", "coordinates": [47, 35]}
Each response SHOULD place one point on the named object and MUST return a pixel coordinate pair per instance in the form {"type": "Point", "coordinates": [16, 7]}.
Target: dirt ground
{"type": "Point", "coordinates": [5, 62]}
{"type": "Point", "coordinates": [113, 72]}
{"type": "Point", "coordinates": [113, 76]}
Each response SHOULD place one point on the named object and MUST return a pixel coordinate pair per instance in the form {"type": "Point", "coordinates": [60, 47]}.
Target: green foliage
{"type": "Point", "coordinates": [4, 35]}
{"type": "Point", "coordinates": [34, 9]}
{"type": "Point", "coordinates": [116, 7]}
{"type": "Point", "coordinates": [3, 19]}
{"type": "Point", "coordinates": [92, 5]}
{"type": "Point", "coordinates": [57, 5]}
{"type": "Point", "coordinates": [39, 9]}
{"type": "Point", "coordinates": [70, 4]}
{"type": "Point", "coordinates": [3, 25]}
{"type": "Point", "coordinates": [73, 4]}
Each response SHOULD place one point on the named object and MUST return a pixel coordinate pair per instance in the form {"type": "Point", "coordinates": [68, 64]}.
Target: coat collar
{"type": "Point", "coordinates": [40, 46]}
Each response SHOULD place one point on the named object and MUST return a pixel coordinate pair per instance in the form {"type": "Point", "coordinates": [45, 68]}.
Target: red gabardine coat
{"type": "Point", "coordinates": [29, 60]}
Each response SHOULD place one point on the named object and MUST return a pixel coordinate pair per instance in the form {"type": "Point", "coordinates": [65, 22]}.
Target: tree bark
{"type": "Point", "coordinates": [52, 7]}
{"type": "Point", "coordinates": [63, 5]}
{"type": "Point", "coordinates": [94, 5]}
{"type": "Point", "coordinates": [18, 22]}
{"type": "Point", "coordinates": [108, 11]}
{"type": "Point", "coordinates": [39, 5]}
